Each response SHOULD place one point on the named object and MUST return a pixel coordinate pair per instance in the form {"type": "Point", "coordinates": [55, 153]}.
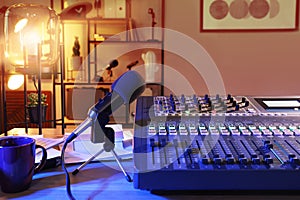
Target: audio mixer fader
{"type": "Point", "coordinates": [217, 143]}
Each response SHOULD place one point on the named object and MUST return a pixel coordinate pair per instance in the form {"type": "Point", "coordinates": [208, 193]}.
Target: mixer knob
{"type": "Point", "coordinates": [199, 107]}
{"type": "Point", "coordinates": [195, 99]}
{"type": "Point", "coordinates": [229, 97]}
{"type": "Point", "coordinates": [230, 100]}
{"type": "Point", "coordinates": [237, 107]}
{"type": "Point", "coordinates": [182, 98]}
{"type": "Point", "coordinates": [243, 99]}
{"type": "Point", "coordinates": [268, 144]}
{"type": "Point", "coordinates": [234, 103]}
{"type": "Point", "coordinates": [186, 106]}
{"type": "Point", "coordinates": [246, 104]}
{"type": "Point", "coordinates": [206, 97]}
{"type": "Point", "coordinates": [209, 103]}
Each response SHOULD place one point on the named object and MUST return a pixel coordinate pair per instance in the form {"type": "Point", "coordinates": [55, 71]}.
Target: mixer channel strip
{"type": "Point", "coordinates": [185, 146]}
{"type": "Point", "coordinates": [198, 141]}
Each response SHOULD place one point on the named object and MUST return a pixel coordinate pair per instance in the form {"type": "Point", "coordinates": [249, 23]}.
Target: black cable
{"type": "Point", "coordinates": [68, 183]}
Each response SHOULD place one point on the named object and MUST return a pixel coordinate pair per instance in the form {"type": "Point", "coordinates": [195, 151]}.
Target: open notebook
{"type": "Point", "coordinates": [81, 149]}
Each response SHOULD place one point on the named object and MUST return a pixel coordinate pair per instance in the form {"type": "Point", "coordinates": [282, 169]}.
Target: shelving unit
{"type": "Point", "coordinates": [105, 39]}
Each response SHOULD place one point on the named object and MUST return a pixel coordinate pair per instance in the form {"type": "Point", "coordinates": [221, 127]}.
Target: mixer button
{"type": "Point", "coordinates": [277, 132]}
{"type": "Point", "coordinates": [295, 161]}
{"type": "Point", "coordinates": [254, 156]}
{"type": "Point", "coordinates": [268, 145]}
{"type": "Point", "coordinates": [228, 155]}
{"type": "Point", "coordinates": [246, 132]}
{"type": "Point", "coordinates": [204, 132]}
{"type": "Point", "coordinates": [162, 132]}
{"type": "Point", "coordinates": [267, 156]}
{"type": "Point", "coordinates": [217, 156]}
{"type": "Point", "coordinates": [230, 160]}
{"type": "Point", "coordinates": [172, 132]}
{"type": "Point", "coordinates": [255, 161]}
{"type": "Point", "coordinates": [288, 132]}
{"type": "Point", "coordinates": [297, 132]}
{"type": "Point", "coordinates": [225, 132]}
{"type": "Point", "coordinates": [256, 132]}
{"type": "Point", "coordinates": [205, 160]}
{"type": "Point", "coordinates": [218, 161]}
{"type": "Point", "coordinates": [292, 128]}
{"type": "Point", "coordinates": [241, 156]}
{"type": "Point", "coordinates": [262, 127]}
{"type": "Point", "coordinates": [292, 156]}
{"type": "Point", "coordinates": [252, 127]}
{"type": "Point", "coordinates": [268, 160]}
{"type": "Point", "coordinates": [235, 132]}
{"type": "Point", "coordinates": [214, 132]}
{"type": "Point", "coordinates": [183, 132]}
{"type": "Point", "coordinates": [282, 127]}
{"type": "Point", "coordinates": [243, 161]}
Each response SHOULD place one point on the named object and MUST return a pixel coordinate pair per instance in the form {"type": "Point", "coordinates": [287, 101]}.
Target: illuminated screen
{"type": "Point", "coordinates": [282, 104]}
{"type": "Point", "coordinates": [279, 103]}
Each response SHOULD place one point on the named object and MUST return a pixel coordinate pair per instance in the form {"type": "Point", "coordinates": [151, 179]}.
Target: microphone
{"type": "Point", "coordinates": [128, 87]}
{"type": "Point", "coordinates": [112, 64]}
{"type": "Point", "coordinates": [129, 66]}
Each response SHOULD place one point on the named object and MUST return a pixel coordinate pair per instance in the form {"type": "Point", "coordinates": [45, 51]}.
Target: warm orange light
{"type": "Point", "coordinates": [15, 81]}
{"type": "Point", "coordinates": [20, 25]}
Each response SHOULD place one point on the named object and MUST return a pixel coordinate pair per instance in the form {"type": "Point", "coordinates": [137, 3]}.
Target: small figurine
{"type": "Point", "coordinates": [76, 47]}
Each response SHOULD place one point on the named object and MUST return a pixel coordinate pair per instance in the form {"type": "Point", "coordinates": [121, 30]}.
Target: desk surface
{"type": "Point", "coordinates": [103, 181]}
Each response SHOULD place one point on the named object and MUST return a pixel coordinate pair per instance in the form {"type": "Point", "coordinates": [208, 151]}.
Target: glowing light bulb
{"type": "Point", "coordinates": [15, 81]}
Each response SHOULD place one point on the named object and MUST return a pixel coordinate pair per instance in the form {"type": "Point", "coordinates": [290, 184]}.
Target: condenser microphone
{"type": "Point", "coordinates": [112, 64]}
{"type": "Point", "coordinates": [125, 89]}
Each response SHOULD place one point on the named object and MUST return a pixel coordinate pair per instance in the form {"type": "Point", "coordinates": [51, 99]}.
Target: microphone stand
{"type": "Point", "coordinates": [105, 135]}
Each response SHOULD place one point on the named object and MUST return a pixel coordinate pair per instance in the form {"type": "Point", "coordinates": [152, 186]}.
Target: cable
{"type": "Point", "coordinates": [68, 183]}
{"type": "Point", "coordinates": [34, 82]}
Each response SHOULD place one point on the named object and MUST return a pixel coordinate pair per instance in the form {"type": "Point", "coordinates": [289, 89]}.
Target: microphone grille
{"type": "Point", "coordinates": [129, 86]}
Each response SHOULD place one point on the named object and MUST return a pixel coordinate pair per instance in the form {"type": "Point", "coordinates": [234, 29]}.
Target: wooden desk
{"type": "Point", "coordinates": [100, 181]}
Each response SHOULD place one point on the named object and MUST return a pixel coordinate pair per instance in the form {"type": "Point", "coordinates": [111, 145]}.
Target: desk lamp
{"type": "Point", "coordinates": [31, 38]}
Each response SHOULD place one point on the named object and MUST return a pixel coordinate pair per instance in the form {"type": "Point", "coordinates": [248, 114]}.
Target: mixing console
{"type": "Point", "coordinates": [217, 143]}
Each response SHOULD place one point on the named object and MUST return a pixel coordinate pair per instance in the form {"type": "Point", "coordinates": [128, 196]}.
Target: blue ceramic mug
{"type": "Point", "coordinates": [17, 159]}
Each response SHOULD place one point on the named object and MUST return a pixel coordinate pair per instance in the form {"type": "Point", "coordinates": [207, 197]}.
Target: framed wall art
{"type": "Point", "coordinates": [249, 15]}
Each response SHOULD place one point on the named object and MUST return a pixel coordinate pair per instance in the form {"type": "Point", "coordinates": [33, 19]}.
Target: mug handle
{"type": "Point", "coordinates": [43, 161]}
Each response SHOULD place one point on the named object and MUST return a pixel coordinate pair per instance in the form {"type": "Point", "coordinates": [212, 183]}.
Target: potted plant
{"type": "Point", "coordinates": [32, 107]}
